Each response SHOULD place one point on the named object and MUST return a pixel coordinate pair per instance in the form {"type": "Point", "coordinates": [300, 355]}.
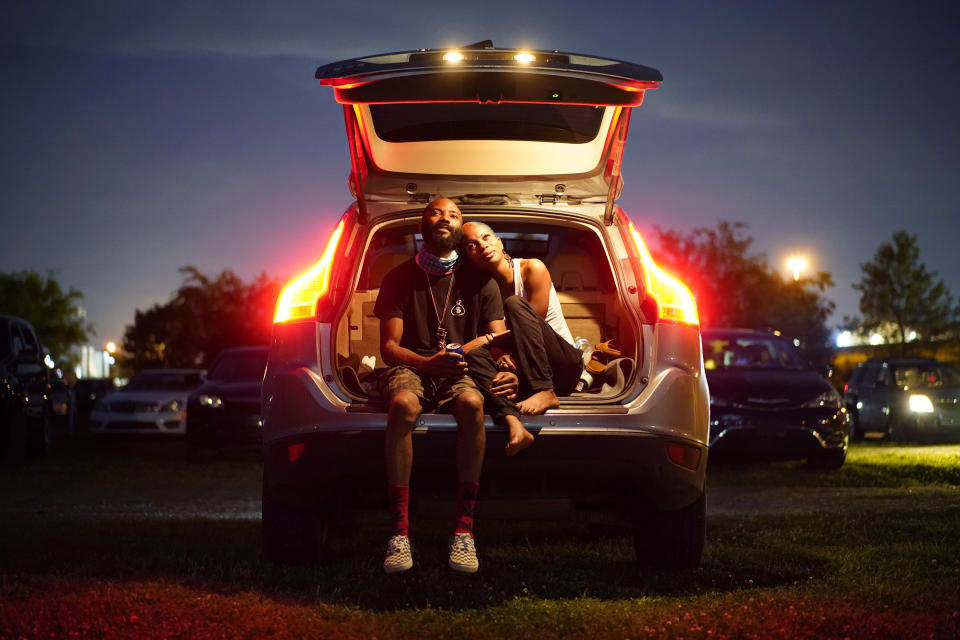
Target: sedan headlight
{"type": "Point", "coordinates": [920, 403]}
{"type": "Point", "coordinates": [214, 402]}
{"type": "Point", "coordinates": [829, 398]}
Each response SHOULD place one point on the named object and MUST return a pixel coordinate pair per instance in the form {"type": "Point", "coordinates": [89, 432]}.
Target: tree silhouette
{"type": "Point", "coordinates": [737, 288]}
{"type": "Point", "coordinates": [53, 312]}
{"type": "Point", "coordinates": [204, 316]}
{"type": "Point", "coordinates": [896, 290]}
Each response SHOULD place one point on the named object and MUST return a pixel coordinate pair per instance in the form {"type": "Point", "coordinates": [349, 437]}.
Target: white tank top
{"type": "Point", "coordinates": [554, 312]}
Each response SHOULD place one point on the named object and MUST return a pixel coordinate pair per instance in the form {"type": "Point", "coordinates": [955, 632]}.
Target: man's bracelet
{"type": "Point", "coordinates": [490, 337]}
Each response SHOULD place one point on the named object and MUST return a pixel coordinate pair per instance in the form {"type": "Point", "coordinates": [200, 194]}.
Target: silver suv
{"type": "Point", "coordinates": [529, 142]}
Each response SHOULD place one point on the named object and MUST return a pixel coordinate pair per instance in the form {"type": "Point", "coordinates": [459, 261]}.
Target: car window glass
{"type": "Point", "coordinates": [884, 379]}
{"type": "Point", "coordinates": [870, 376]}
{"type": "Point", "coordinates": [405, 122]}
{"type": "Point", "coordinates": [239, 366]}
{"type": "Point", "coordinates": [927, 376]}
{"type": "Point", "coordinates": [721, 352]}
{"type": "Point", "coordinates": [30, 344]}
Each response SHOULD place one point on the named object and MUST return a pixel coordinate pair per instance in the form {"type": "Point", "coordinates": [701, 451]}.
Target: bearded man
{"type": "Point", "coordinates": [423, 305]}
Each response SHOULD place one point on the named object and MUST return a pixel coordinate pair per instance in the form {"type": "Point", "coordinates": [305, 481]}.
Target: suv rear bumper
{"type": "Point", "coordinates": [589, 471]}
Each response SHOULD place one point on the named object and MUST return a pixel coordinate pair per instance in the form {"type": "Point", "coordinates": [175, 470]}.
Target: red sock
{"type": "Point", "coordinates": [466, 501]}
{"type": "Point", "coordinates": [399, 497]}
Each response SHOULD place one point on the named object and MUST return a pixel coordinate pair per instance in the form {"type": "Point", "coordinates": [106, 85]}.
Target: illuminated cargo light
{"type": "Point", "coordinates": [675, 303]}
{"type": "Point", "coordinates": [298, 300]}
{"type": "Point", "coordinates": [525, 58]}
{"type": "Point", "coordinates": [453, 56]}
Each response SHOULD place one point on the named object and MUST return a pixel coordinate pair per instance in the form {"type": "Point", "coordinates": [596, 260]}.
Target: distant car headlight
{"type": "Point", "coordinates": [826, 399]}
{"type": "Point", "coordinates": [920, 403]}
{"type": "Point", "coordinates": [214, 402]}
{"type": "Point", "coordinates": [173, 405]}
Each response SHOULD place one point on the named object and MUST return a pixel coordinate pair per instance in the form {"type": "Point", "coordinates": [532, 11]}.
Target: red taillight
{"type": "Point", "coordinates": [846, 386]}
{"type": "Point", "coordinates": [683, 455]}
{"type": "Point", "coordinates": [675, 303]}
{"type": "Point", "coordinates": [298, 300]}
{"type": "Point", "coordinates": [295, 452]}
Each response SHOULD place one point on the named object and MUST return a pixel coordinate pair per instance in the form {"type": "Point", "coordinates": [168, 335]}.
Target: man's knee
{"type": "Point", "coordinates": [468, 403]}
{"type": "Point", "coordinates": [405, 406]}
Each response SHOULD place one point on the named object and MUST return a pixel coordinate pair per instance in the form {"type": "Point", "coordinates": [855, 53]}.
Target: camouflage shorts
{"type": "Point", "coordinates": [433, 392]}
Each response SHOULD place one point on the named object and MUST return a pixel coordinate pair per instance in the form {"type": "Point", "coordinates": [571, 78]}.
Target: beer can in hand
{"type": "Point", "coordinates": [455, 347]}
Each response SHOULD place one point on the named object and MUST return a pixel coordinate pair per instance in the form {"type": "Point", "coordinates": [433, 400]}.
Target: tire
{"type": "Point", "coordinates": [829, 459]}
{"type": "Point", "coordinates": [40, 438]}
{"type": "Point", "coordinates": [672, 540]}
{"type": "Point", "coordinates": [291, 536]}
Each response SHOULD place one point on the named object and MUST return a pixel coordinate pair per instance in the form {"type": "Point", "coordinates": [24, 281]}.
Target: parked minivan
{"type": "Point", "coordinates": [529, 142]}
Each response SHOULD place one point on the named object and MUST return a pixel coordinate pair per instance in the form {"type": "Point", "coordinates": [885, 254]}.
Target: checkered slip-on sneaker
{"type": "Point", "coordinates": [463, 553]}
{"type": "Point", "coordinates": [399, 555]}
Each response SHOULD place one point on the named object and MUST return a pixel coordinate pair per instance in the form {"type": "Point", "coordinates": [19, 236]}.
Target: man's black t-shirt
{"type": "Point", "coordinates": [474, 302]}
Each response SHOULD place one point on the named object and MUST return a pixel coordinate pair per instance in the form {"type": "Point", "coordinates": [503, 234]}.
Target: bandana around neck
{"type": "Point", "coordinates": [435, 265]}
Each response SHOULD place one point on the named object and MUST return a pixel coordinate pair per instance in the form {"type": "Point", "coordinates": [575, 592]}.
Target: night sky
{"type": "Point", "coordinates": [138, 137]}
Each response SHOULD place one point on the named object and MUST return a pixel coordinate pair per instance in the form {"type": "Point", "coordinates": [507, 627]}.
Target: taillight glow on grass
{"type": "Point", "coordinates": [298, 300]}
{"type": "Point", "coordinates": [675, 303]}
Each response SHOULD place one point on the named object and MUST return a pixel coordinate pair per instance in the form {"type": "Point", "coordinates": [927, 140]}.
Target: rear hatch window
{"type": "Point", "coordinates": [570, 124]}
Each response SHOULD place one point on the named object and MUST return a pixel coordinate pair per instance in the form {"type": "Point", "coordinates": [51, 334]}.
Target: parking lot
{"type": "Point", "coordinates": [131, 539]}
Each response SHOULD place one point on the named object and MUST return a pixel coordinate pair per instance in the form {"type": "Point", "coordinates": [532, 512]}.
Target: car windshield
{"type": "Point", "coordinates": [248, 365]}
{"type": "Point", "coordinates": [729, 352]}
{"type": "Point", "coordinates": [927, 376]}
{"type": "Point", "coordinates": [164, 382]}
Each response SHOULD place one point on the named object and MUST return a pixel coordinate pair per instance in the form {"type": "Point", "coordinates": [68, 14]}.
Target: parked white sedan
{"type": "Point", "coordinates": [154, 401]}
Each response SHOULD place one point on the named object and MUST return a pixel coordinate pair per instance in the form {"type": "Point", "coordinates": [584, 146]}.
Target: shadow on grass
{"type": "Point", "coordinates": [223, 555]}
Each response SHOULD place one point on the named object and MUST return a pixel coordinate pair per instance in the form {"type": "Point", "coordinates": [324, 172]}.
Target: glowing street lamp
{"type": "Point", "coordinates": [796, 264]}
{"type": "Point", "coordinates": [111, 347]}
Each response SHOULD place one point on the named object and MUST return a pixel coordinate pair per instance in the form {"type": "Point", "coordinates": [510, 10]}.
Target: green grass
{"type": "Point", "coordinates": [130, 540]}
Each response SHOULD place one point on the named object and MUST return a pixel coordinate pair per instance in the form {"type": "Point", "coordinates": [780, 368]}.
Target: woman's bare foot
{"type": "Point", "coordinates": [538, 403]}
{"type": "Point", "coordinates": [518, 438]}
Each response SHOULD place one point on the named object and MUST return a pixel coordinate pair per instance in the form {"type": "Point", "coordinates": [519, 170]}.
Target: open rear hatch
{"type": "Point", "coordinates": [480, 123]}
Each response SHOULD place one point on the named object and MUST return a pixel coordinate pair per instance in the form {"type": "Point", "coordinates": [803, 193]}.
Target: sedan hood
{"type": "Point", "coordinates": [146, 396]}
{"type": "Point", "coordinates": [766, 387]}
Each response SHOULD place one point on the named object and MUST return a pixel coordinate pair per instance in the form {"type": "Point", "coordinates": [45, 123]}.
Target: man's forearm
{"type": "Point", "coordinates": [395, 355]}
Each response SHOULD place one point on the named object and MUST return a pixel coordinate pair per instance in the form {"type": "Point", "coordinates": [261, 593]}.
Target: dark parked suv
{"type": "Point", "coordinates": [24, 384]}
{"type": "Point", "coordinates": [904, 398]}
{"type": "Point", "coordinates": [529, 142]}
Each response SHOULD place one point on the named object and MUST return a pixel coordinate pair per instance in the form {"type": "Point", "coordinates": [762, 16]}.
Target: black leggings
{"type": "Point", "coordinates": [544, 359]}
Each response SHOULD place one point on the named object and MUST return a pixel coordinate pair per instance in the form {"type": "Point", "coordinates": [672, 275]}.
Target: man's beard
{"type": "Point", "coordinates": [441, 245]}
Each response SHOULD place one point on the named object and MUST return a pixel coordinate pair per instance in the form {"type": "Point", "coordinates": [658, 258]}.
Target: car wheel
{"type": "Point", "coordinates": [40, 438]}
{"type": "Point", "coordinates": [672, 539]}
{"type": "Point", "coordinates": [828, 459]}
{"type": "Point", "coordinates": [293, 536]}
